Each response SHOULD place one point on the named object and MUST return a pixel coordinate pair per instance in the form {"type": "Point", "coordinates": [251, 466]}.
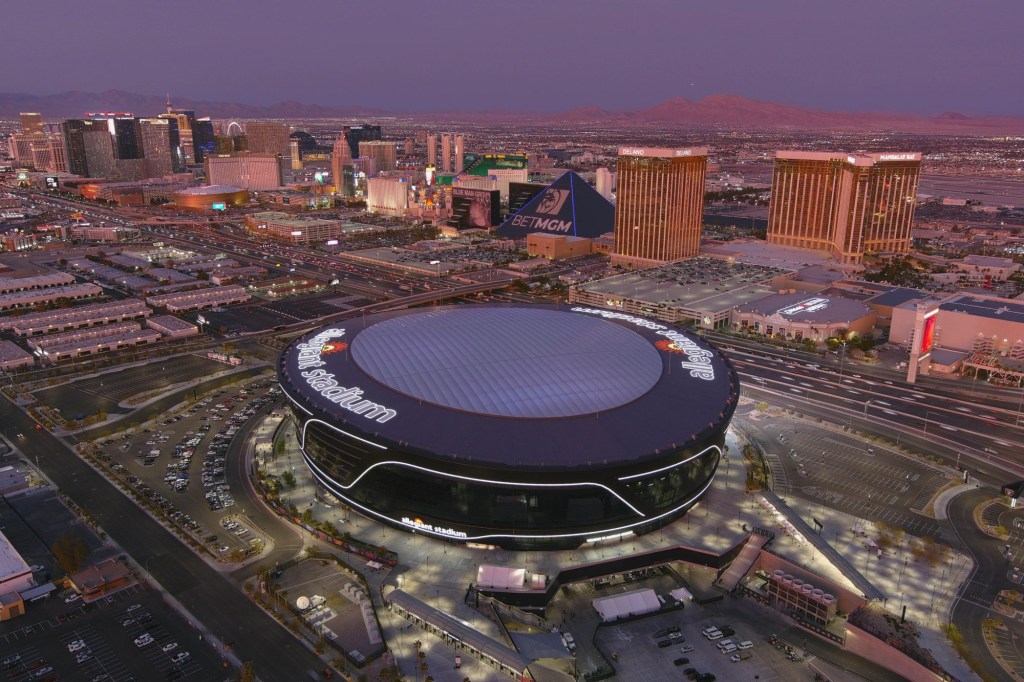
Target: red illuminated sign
{"type": "Point", "coordinates": [928, 335]}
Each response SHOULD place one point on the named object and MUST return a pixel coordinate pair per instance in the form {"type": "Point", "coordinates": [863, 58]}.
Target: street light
{"type": "Point", "coordinates": [1019, 404]}
{"type": "Point", "coordinates": [842, 358]}
{"type": "Point", "coordinates": [927, 412]}
{"type": "Point", "coordinates": [869, 401]}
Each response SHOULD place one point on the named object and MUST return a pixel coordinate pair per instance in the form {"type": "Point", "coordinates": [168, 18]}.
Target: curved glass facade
{"type": "Point", "coordinates": [511, 508]}
{"type": "Point", "coordinates": [518, 426]}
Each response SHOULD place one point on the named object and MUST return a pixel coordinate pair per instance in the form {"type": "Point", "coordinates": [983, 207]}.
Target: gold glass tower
{"type": "Point", "coordinates": [659, 206]}
{"type": "Point", "coordinates": [844, 204]}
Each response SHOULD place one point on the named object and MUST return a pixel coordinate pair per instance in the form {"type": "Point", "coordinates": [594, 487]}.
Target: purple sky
{"type": "Point", "coordinates": [920, 56]}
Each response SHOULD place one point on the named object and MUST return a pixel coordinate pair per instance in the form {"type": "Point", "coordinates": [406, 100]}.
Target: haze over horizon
{"type": "Point", "coordinates": [921, 57]}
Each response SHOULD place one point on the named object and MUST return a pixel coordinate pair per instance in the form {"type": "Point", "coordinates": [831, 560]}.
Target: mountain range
{"type": "Point", "coordinates": [711, 111]}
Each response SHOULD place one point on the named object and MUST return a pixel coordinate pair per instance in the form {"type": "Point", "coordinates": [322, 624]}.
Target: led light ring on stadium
{"type": "Point", "coordinates": [521, 426]}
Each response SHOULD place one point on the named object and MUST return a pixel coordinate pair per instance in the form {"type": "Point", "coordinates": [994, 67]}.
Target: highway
{"type": "Point", "coordinates": [208, 595]}
{"type": "Point", "coordinates": [983, 429]}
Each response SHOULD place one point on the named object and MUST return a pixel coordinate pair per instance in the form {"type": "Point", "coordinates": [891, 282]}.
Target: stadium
{"type": "Point", "coordinates": [523, 427]}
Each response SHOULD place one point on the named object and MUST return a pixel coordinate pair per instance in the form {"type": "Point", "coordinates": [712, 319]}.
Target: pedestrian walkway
{"type": "Point", "coordinates": [841, 562]}
{"type": "Point", "coordinates": [438, 573]}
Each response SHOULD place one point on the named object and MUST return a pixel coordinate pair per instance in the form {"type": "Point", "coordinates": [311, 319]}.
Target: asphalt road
{"type": "Point", "coordinates": [165, 403]}
{"type": "Point", "coordinates": [985, 583]}
{"type": "Point", "coordinates": [208, 595]}
{"type": "Point", "coordinates": [979, 433]}
{"type": "Point", "coordinates": [287, 539]}
{"type": "Point", "coordinates": [105, 391]}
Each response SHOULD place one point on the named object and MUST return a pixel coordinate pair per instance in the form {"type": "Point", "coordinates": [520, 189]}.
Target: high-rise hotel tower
{"type": "Point", "coordinates": [660, 205]}
{"type": "Point", "coordinates": [842, 203]}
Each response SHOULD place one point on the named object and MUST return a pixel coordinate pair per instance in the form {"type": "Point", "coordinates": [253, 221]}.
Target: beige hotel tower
{"type": "Point", "coordinates": [844, 204]}
{"type": "Point", "coordinates": [659, 206]}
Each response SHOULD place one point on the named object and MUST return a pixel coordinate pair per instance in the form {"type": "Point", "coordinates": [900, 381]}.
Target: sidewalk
{"type": "Point", "coordinates": [443, 571]}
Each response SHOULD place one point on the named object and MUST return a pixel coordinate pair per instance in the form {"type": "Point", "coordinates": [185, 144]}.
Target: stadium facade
{"type": "Point", "coordinates": [525, 427]}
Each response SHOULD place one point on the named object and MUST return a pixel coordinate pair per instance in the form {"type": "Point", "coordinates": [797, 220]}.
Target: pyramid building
{"type": "Point", "coordinates": [569, 206]}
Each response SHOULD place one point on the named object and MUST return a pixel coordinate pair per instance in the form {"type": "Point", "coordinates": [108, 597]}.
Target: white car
{"type": "Point", "coordinates": [145, 639]}
{"type": "Point", "coordinates": [73, 597]}
{"type": "Point", "coordinates": [169, 647]}
{"type": "Point", "coordinates": [76, 645]}
{"type": "Point", "coordinates": [181, 657]}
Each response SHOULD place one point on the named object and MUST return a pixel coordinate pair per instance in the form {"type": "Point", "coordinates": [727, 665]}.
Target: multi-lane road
{"type": "Point", "coordinates": [208, 595]}
{"type": "Point", "coordinates": [980, 433]}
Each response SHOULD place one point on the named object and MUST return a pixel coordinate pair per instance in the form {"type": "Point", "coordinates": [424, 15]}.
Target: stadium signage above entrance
{"type": "Point", "coordinates": [418, 524]}
{"type": "Point", "coordinates": [698, 360]}
{"type": "Point", "coordinates": [347, 398]}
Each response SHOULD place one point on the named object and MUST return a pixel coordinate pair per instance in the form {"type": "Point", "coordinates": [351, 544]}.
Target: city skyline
{"type": "Point", "coordinates": [536, 57]}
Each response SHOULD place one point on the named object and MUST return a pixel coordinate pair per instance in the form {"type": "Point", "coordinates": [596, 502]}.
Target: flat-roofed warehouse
{"type": "Point", "coordinates": [701, 290]}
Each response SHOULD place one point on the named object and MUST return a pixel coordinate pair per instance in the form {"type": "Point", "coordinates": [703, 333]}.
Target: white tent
{"type": "Point", "coordinates": [501, 577]}
{"type": "Point", "coordinates": [633, 603]}
{"type": "Point", "coordinates": [681, 593]}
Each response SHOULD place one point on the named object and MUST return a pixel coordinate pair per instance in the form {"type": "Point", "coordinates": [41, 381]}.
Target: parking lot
{"type": "Point", "coordinates": [637, 649]}
{"type": "Point", "coordinates": [262, 315]}
{"type": "Point", "coordinates": [843, 472]}
{"type": "Point", "coordinates": [179, 464]}
{"type": "Point", "coordinates": [96, 641]}
{"type": "Point", "coordinates": [103, 392]}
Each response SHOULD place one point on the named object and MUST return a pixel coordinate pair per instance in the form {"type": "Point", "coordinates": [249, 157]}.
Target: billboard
{"type": "Point", "coordinates": [521, 193]}
{"type": "Point", "coordinates": [52, 182]}
{"type": "Point", "coordinates": [475, 208]}
{"type": "Point", "coordinates": [928, 334]}
{"type": "Point", "coordinates": [219, 206]}
{"type": "Point", "coordinates": [569, 206]}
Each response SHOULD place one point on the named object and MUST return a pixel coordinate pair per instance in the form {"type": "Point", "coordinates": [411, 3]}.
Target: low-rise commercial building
{"type": "Point", "coordinates": [554, 246]}
{"type": "Point", "coordinates": [962, 320]}
{"type": "Point", "coordinates": [100, 578]}
{"type": "Point", "coordinates": [982, 269]}
{"type": "Point", "coordinates": [98, 344]}
{"type": "Point", "coordinates": [13, 356]}
{"type": "Point", "coordinates": [11, 285]}
{"type": "Point", "coordinates": [228, 275]}
{"type": "Point", "coordinates": [172, 327]}
{"type": "Point", "coordinates": [75, 318]}
{"type": "Point", "coordinates": [200, 299]}
{"type": "Point", "coordinates": [802, 316]}
{"type": "Point", "coordinates": [103, 233]}
{"type": "Point", "coordinates": [34, 297]}
{"type": "Point", "coordinates": [84, 336]}
{"type": "Point", "coordinates": [15, 574]}
{"type": "Point", "coordinates": [293, 229]}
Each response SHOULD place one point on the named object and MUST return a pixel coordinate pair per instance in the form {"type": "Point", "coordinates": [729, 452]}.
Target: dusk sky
{"type": "Point", "coordinates": [919, 56]}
